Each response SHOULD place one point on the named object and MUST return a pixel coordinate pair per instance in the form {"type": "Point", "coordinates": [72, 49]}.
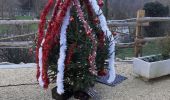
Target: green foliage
{"type": "Point", "coordinates": [165, 48]}
{"type": "Point", "coordinates": [155, 9]}
{"type": "Point", "coordinates": [150, 48]}
{"type": "Point", "coordinates": [3, 29]}
{"type": "Point", "coordinates": [102, 55]}
{"type": "Point", "coordinates": [77, 75]}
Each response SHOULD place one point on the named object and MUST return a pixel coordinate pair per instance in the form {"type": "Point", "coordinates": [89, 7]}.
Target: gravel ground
{"type": "Point", "coordinates": [134, 88]}
{"type": "Point", "coordinates": [20, 84]}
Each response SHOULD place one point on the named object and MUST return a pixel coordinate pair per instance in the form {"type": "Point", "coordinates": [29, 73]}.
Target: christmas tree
{"type": "Point", "coordinates": [75, 45]}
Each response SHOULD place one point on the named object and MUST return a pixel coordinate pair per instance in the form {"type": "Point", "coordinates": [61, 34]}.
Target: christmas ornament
{"type": "Point", "coordinates": [100, 3]}
{"type": "Point", "coordinates": [102, 72]}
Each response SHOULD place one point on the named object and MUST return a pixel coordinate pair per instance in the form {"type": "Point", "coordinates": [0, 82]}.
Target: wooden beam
{"type": "Point", "coordinates": [130, 22]}
{"type": "Point", "coordinates": [151, 39]}
{"type": "Point", "coordinates": [125, 45]}
{"type": "Point", "coordinates": [147, 19]}
{"type": "Point", "coordinates": [122, 24]}
{"type": "Point", "coordinates": [18, 22]}
{"type": "Point", "coordinates": [6, 38]}
{"type": "Point", "coordinates": [16, 44]}
{"type": "Point", "coordinates": [15, 47]}
{"type": "Point", "coordinates": [153, 19]}
{"type": "Point", "coordinates": [140, 41]}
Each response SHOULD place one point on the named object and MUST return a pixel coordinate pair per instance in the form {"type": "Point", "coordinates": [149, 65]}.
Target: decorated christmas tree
{"type": "Point", "coordinates": [73, 49]}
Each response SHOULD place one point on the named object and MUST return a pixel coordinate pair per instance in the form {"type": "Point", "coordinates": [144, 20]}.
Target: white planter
{"type": "Point", "coordinates": [151, 70]}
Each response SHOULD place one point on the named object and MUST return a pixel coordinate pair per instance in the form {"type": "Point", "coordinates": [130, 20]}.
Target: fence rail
{"type": "Point", "coordinates": [140, 41]}
{"type": "Point", "coordinates": [27, 44]}
{"type": "Point", "coordinates": [17, 36]}
{"type": "Point", "coordinates": [138, 22]}
{"type": "Point", "coordinates": [127, 22]}
{"type": "Point", "coordinates": [19, 44]}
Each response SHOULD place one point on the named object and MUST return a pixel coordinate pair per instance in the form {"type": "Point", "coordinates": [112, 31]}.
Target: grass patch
{"type": "Point", "coordinates": [34, 27]}
{"type": "Point", "coordinates": [125, 52]}
{"type": "Point", "coordinates": [6, 28]}
{"type": "Point", "coordinates": [3, 28]}
{"type": "Point", "coordinates": [12, 29]}
{"type": "Point", "coordinates": [150, 48]}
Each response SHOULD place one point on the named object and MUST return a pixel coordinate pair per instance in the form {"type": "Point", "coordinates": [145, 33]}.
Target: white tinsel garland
{"type": "Point", "coordinates": [40, 80]}
{"type": "Point", "coordinates": [107, 33]}
{"type": "Point", "coordinates": [63, 47]}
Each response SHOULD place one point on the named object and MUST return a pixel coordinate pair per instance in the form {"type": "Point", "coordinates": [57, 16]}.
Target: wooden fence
{"type": "Point", "coordinates": [138, 22]}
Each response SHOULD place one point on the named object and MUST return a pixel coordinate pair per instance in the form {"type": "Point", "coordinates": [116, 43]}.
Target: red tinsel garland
{"type": "Point", "coordinates": [52, 22]}
{"type": "Point", "coordinates": [41, 28]}
{"type": "Point", "coordinates": [101, 37]}
{"type": "Point", "coordinates": [50, 25]}
{"type": "Point", "coordinates": [41, 35]}
{"type": "Point", "coordinates": [51, 36]}
{"type": "Point", "coordinates": [88, 30]}
{"type": "Point", "coordinates": [69, 55]}
{"type": "Point", "coordinates": [89, 9]}
{"type": "Point", "coordinates": [101, 40]}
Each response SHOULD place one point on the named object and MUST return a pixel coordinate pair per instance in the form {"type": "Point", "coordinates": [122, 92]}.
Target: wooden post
{"type": "Point", "coordinates": [138, 46]}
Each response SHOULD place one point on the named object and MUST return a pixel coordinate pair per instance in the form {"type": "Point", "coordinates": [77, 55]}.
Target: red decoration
{"type": "Point", "coordinates": [53, 30]}
{"type": "Point", "coordinates": [89, 9]}
{"type": "Point", "coordinates": [69, 55]}
{"type": "Point", "coordinates": [30, 52]}
{"type": "Point", "coordinates": [44, 71]}
{"type": "Point", "coordinates": [71, 19]}
{"type": "Point", "coordinates": [51, 36]}
{"type": "Point", "coordinates": [101, 39]}
{"type": "Point", "coordinates": [50, 39]}
{"type": "Point", "coordinates": [92, 56]}
{"type": "Point", "coordinates": [96, 20]}
{"type": "Point", "coordinates": [100, 3]}
{"type": "Point", "coordinates": [102, 72]}
{"type": "Point", "coordinates": [41, 29]}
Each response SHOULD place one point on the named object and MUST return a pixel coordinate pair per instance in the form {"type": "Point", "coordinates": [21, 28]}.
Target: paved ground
{"type": "Point", "coordinates": [135, 88]}
{"type": "Point", "coordinates": [20, 84]}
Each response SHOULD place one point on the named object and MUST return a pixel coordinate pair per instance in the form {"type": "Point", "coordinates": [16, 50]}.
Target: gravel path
{"type": "Point", "coordinates": [20, 84]}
